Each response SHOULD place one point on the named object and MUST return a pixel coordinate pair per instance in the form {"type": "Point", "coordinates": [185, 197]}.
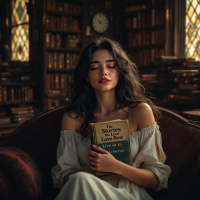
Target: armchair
{"type": "Point", "coordinates": [28, 154]}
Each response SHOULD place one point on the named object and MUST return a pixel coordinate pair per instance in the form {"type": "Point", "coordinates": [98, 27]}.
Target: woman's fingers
{"type": "Point", "coordinates": [99, 149]}
{"type": "Point", "coordinates": [92, 159]}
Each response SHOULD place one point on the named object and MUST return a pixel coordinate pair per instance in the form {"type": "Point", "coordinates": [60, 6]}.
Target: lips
{"type": "Point", "coordinates": [104, 81]}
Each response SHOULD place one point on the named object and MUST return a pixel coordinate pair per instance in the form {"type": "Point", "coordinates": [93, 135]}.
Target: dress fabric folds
{"type": "Point", "coordinates": [72, 156]}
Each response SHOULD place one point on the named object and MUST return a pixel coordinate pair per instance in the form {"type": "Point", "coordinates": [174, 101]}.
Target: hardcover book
{"type": "Point", "coordinates": [113, 136]}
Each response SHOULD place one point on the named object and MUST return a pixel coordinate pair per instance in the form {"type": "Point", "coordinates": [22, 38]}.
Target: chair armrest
{"type": "Point", "coordinates": [23, 173]}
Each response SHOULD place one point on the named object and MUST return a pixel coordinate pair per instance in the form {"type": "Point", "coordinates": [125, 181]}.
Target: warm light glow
{"type": "Point", "coordinates": [20, 33]}
{"type": "Point", "coordinates": [192, 32]}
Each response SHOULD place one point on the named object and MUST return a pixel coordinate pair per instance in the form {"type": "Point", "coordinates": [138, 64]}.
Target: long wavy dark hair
{"type": "Point", "coordinates": [129, 90]}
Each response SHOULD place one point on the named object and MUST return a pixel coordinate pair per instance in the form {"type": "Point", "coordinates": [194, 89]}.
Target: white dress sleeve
{"type": "Point", "coordinates": [148, 158]}
{"type": "Point", "coordinates": [67, 157]}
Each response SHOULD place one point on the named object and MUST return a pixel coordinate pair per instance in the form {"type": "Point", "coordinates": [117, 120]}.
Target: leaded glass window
{"type": "Point", "coordinates": [192, 29]}
{"type": "Point", "coordinates": [19, 31]}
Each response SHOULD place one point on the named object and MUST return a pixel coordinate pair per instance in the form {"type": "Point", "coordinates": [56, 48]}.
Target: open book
{"type": "Point", "coordinates": [113, 136]}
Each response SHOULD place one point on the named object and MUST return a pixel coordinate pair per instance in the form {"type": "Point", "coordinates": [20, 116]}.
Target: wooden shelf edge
{"type": "Point", "coordinates": [146, 28]}
{"type": "Point", "coordinates": [63, 31]}
{"type": "Point", "coordinates": [60, 70]}
{"type": "Point", "coordinates": [16, 102]}
{"type": "Point", "coordinates": [62, 49]}
{"type": "Point", "coordinates": [147, 47]}
{"type": "Point", "coordinates": [16, 83]}
{"type": "Point", "coordinates": [63, 13]}
{"type": "Point", "coordinates": [13, 125]}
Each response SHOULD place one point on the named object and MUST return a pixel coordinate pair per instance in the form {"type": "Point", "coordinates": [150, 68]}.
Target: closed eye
{"type": "Point", "coordinates": [94, 68]}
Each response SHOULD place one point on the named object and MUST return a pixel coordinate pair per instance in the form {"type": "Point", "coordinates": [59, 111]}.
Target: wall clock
{"type": "Point", "coordinates": [100, 23]}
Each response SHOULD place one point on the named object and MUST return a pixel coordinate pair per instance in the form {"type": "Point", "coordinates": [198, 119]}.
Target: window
{"type": "Point", "coordinates": [192, 29]}
{"type": "Point", "coordinates": [19, 30]}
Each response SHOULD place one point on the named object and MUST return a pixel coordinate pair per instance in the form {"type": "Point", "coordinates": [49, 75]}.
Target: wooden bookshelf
{"type": "Point", "coordinates": [145, 23]}
{"type": "Point", "coordinates": [62, 49]}
{"type": "Point", "coordinates": [17, 90]}
{"type": "Point", "coordinates": [63, 41]}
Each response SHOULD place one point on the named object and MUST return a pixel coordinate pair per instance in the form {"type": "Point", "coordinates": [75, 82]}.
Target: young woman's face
{"type": "Point", "coordinates": [103, 74]}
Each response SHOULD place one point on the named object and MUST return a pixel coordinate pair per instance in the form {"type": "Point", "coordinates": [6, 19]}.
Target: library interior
{"type": "Point", "coordinates": [40, 41]}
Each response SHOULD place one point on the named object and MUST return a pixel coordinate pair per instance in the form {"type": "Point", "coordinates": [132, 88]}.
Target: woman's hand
{"type": "Point", "coordinates": [103, 161]}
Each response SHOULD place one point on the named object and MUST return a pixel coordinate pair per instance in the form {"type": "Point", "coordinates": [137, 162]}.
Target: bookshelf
{"type": "Point", "coordinates": [145, 23]}
{"type": "Point", "coordinates": [62, 33]}
{"type": "Point", "coordinates": [18, 102]}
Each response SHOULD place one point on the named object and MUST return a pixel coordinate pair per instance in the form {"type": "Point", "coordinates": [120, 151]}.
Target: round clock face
{"type": "Point", "coordinates": [100, 23]}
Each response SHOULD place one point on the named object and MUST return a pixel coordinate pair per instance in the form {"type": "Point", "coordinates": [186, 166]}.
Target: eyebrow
{"type": "Point", "coordinates": [99, 62]}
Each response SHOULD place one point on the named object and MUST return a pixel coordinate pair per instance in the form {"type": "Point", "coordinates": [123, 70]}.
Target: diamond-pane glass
{"type": "Point", "coordinates": [20, 42]}
{"type": "Point", "coordinates": [19, 12]}
{"type": "Point", "coordinates": [192, 26]}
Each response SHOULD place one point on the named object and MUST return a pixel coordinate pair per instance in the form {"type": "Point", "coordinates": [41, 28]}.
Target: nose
{"type": "Point", "coordinates": [104, 72]}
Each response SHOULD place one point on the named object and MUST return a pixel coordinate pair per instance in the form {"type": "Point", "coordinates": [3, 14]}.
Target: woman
{"type": "Point", "coordinates": [105, 87]}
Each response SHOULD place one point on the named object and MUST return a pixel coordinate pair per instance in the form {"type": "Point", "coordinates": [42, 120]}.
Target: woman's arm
{"type": "Point", "coordinates": [107, 163]}
{"type": "Point", "coordinates": [68, 123]}
{"type": "Point", "coordinates": [143, 177]}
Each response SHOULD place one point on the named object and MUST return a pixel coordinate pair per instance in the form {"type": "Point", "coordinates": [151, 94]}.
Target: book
{"type": "Point", "coordinates": [135, 8]}
{"type": "Point", "coordinates": [5, 120]}
{"type": "Point", "coordinates": [188, 75]}
{"type": "Point", "coordinates": [24, 115]}
{"type": "Point", "coordinates": [186, 86]}
{"type": "Point", "coordinates": [112, 136]}
{"type": "Point", "coordinates": [180, 97]}
{"type": "Point", "coordinates": [185, 92]}
{"type": "Point", "coordinates": [21, 120]}
{"type": "Point", "coordinates": [185, 71]}
{"type": "Point", "coordinates": [192, 114]}
{"type": "Point", "coordinates": [20, 112]}
{"type": "Point", "coordinates": [6, 131]}
{"type": "Point", "coordinates": [21, 108]}
{"type": "Point", "coordinates": [186, 80]}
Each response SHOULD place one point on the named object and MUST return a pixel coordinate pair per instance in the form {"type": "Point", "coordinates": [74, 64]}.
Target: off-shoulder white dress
{"type": "Point", "coordinates": [72, 156]}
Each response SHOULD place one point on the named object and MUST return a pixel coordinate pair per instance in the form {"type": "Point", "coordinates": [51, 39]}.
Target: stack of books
{"type": "Point", "coordinates": [22, 114]}
{"type": "Point", "coordinates": [183, 78]}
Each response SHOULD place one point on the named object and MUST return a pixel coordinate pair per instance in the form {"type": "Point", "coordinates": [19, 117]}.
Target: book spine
{"type": "Point", "coordinates": [53, 41]}
{"type": "Point", "coordinates": [189, 86]}
{"type": "Point", "coordinates": [55, 60]}
{"type": "Point", "coordinates": [56, 81]}
{"type": "Point", "coordinates": [47, 39]}
{"type": "Point", "coordinates": [1, 93]}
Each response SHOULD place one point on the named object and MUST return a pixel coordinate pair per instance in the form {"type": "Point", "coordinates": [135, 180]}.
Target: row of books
{"type": "Point", "coordinates": [60, 60]}
{"type": "Point", "coordinates": [57, 81]}
{"type": "Point", "coordinates": [64, 23]}
{"type": "Point", "coordinates": [17, 115]}
{"type": "Point", "coordinates": [146, 38]}
{"type": "Point", "coordinates": [147, 18]}
{"type": "Point", "coordinates": [8, 76]}
{"type": "Point", "coordinates": [17, 93]}
{"type": "Point", "coordinates": [146, 56]}
{"type": "Point", "coordinates": [53, 5]}
{"type": "Point", "coordinates": [56, 41]}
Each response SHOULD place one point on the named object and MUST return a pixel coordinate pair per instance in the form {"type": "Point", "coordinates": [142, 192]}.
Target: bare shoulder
{"type": "Point", "coordinates": [143, 114]}
{"type": "Point", "coordinates": [70, 121]}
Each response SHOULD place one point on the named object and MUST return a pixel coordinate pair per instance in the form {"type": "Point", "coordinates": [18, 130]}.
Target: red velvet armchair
{"type": "Point", "coordinates": [28, 154]}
